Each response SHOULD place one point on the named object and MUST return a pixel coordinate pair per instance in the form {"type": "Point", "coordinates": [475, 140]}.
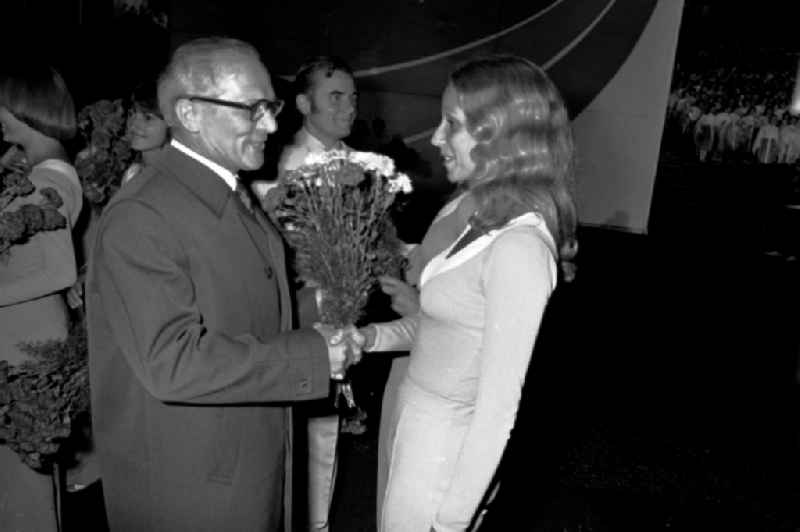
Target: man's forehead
{"type": "Point", "coordinates": [336, 81]}
{"type": "Point", "coordinates": [246, 75]}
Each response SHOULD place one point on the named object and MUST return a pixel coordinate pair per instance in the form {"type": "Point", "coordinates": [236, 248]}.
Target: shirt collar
{"type": "Point", "coordinates": [229, 177]}
{"type": "Point", "coordinates": [315, 145]}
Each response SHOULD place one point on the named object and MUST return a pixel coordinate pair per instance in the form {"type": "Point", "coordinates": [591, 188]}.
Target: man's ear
{"type": "Point", "coordinates": [303, 104]}
{"type": "Point", "coordinates": [187, 115]}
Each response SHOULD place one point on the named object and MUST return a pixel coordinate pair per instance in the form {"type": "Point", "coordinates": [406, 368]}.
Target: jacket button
{"type": "Point", "coordinates": [269, 271]}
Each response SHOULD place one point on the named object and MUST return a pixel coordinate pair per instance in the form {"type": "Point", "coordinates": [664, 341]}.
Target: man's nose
{"type": "Point", "coordinates": [348, 105]}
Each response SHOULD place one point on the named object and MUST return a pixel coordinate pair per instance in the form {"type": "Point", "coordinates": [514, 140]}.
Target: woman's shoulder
{"type": "Point", "coordinates": [524, 237]}
{"type": "Point", "coordinates": [529, 227]}
{"type": "Point", "coordinates": [521, 250]}
{"type": "Point", "coordinates": [62, 177]}
{"type": "Point", "coordinates": [55, 172]}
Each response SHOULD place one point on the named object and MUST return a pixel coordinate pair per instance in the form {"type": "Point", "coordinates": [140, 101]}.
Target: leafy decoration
{"type": "Point", "coordinates": [17, 226]}
{"type": "Point", "coordinates": [103, 125]}
{"type": "Point", "coordinates": [41, 398]}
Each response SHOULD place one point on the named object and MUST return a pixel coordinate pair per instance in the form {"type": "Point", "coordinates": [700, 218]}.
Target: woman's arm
{"type": "Point", "coordinates": [46, 262]}
{"type": "Point", "coordinates": [397, 335]}
{"type": "Point", "coordinates": [517, 282]}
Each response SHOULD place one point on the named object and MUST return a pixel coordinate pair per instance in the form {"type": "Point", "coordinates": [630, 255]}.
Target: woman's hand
{"type": "Point", "coordinates": [405, 298]}
{"type": "Point", "coordinates": [368, 334]}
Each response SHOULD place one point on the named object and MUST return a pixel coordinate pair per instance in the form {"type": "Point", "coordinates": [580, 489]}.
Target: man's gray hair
{"type": "Point", "coordinates": [196, 68]}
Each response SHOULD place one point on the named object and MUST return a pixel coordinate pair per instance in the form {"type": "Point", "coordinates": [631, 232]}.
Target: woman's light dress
{"type": "Point", "coordinates": [480, 313]}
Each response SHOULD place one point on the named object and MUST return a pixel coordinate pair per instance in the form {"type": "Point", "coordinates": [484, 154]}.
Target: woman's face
{"type": "Point", "coordinates": [146, 131]}
{"type": "Point", "coordinates": [453, 140]}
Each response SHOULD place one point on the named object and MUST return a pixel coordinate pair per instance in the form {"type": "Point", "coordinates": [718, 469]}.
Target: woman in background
{"type": "Point", "coordinates": [37, 115]}
{"type": "Point", "coordinates": [147, 130]}
{"type": "Point", "coordinates": [505, 137]}
{"type": "Point", "coordinates": [147, 133]}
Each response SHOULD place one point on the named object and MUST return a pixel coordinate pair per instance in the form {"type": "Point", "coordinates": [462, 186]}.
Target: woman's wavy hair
{"type": "Point", "coordinates": [37, 95]}
{"type": "Point", "coordinates": [524, 155]}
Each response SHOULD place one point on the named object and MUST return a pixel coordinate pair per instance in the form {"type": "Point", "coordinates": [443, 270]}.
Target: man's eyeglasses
{"type": "Point", "coordinates": [256, 109]}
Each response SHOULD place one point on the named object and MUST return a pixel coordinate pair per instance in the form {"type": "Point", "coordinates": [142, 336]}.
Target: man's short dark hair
{"type": "Point", "coordinates": [324, 64]}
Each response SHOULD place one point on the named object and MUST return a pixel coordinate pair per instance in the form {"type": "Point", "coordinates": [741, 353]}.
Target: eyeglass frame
{"type": "Point", "coordinates": [273, 107]}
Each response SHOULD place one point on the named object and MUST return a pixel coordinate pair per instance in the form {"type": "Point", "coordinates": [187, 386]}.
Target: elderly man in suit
{"type": "Point", "coordinates": [192, 360]}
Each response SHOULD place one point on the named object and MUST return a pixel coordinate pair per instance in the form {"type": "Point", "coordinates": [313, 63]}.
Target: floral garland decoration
{"type": "Point", "coordinates": [40, 400]}
{"type": "Point", "coordinates": [19, 225]}
{"type": "Point", "coordinates": [101, 165]}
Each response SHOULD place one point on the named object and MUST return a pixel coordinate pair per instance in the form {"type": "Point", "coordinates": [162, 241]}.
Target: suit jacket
{"type": "Point", "coordinates": [191, 357]}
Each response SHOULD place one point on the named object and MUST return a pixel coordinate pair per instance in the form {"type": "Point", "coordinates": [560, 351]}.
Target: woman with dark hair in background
{"type": "Point", "coordinates": [37, 114]}
{"type": "Point", "coordinates": [147, 131]}
{"type": "Point", "coordinates": [504, 136]}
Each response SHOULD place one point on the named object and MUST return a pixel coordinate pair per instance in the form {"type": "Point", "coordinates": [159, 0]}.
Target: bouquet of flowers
{"type": "Point", "coordinates": [101, 165]}
{"type": "Point", "coordinates": [19, 225]}
{"type": "Point", "coordinates": [334, 211]}
{"type": "Point", "coordinates": [41, 399]}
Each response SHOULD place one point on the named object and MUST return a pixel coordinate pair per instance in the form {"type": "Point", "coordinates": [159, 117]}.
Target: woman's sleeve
{"type": "Point", "coordinates": [397, 335]}
{"type": "Point", "coordinates": [45, 263]}
{"type": "Point", "coordinates": [517, 282]}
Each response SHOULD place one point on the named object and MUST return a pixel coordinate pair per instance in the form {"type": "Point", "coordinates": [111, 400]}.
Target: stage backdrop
{"type": "Point", "coordinates": [612, 60]}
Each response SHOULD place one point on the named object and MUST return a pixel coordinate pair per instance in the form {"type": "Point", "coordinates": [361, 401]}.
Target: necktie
{"type": "Point", "coordinates": [244, 196]}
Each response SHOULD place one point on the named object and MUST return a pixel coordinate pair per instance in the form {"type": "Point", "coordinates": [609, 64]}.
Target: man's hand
{"type": "Point", "coordinates": [405, 298]}
{"type": "Point", "coordinates": [344, 348]}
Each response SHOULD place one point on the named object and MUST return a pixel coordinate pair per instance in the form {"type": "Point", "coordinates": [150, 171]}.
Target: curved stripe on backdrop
{"type": "Point", "coordinates": [591, 37]}
{"type": "Point", "coordinates": [459, 49]}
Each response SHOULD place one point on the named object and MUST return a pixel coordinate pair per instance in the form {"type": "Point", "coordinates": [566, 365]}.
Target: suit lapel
{"type": "Point", "coordinates": [270, 245]}
{"type": "Point", "coordinates": [216, 194]}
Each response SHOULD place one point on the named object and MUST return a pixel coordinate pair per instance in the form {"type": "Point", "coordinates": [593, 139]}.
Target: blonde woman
{"type": "Point", "coordinates": [505, 137]}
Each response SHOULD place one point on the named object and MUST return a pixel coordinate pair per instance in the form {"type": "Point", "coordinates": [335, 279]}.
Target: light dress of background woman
{"type": "Point", "coordinates": [505, 136]}
{"type": "Point", "coordinates": [37, 114]}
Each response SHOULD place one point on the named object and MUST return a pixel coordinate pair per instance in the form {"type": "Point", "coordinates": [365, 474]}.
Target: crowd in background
{"type": "Point", "coordinates": [737, 112]}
